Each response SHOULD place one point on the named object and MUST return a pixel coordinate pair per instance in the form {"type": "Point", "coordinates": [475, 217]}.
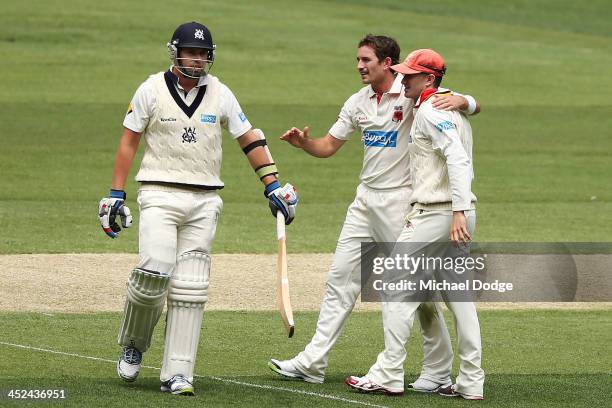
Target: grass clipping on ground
{"type": "Point", "coordinates": [97, 282]}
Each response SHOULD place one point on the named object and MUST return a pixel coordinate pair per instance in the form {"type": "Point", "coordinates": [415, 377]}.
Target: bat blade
{"type": "Point", "coordinates": [282, 280]}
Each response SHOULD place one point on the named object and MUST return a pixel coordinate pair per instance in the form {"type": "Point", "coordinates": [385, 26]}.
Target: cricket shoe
{"type": "Point", "coordinates": [365, 385]}
{"type": "Point", "coordinates": [450, 391]}
{"type": "Point", "coordinates": [128, 365]}
{"type": "Point", "coordinates": [427, 386]}
{"type": "Point", "coordinates": [287, 369]}
{"type": "Point", "coordinates": [178, 385]}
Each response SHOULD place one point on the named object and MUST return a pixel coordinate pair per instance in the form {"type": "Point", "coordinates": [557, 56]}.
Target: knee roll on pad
{"type": "Point", "coordinates": [189, 283]}
{"type": "Point", "coordinates": [146, 288]}
{"type": "Point", "coordinates": [187, 294]}
{"type": "Point", "coordinates": [146, 292]}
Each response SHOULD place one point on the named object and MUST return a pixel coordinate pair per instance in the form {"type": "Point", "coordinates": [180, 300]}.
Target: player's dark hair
{"type": "Point", "coordinates": [437, 82]}
{"type": "Point", "coordinates": [383, 47]}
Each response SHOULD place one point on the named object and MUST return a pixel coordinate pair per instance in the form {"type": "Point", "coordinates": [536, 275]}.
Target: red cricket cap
{"type": "Point", "coordinates": [424, 60]}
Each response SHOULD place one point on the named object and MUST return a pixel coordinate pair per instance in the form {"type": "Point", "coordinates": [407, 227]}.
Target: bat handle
{"type": "Point", "coordinates": [280, 225]}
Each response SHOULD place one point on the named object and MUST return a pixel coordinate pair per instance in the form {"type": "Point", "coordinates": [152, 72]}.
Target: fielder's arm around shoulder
{"type": "Point", "coordinates": [322, 147]}
{"type": "Point", "coordinates": [456, 101]}
{"type": "Point", "coordinates": [284, 199]}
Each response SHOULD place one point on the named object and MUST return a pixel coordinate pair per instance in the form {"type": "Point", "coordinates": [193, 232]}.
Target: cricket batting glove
{"type": "Point", "coordinates": [109, 209]}
{"type": "Point", "coordinates": [283, 199]}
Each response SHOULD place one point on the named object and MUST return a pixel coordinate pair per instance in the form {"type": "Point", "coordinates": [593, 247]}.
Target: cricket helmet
{"type": "Point", "coordinates": [191, 35]}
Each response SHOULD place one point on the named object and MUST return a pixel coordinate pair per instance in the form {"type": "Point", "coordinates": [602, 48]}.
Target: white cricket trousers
{"type": "Point", "coordinates": [374, 216]}
{"type": "Point", "coordinates": [430, 226]}
{"type": "Point", "coordinates": [174, 221]}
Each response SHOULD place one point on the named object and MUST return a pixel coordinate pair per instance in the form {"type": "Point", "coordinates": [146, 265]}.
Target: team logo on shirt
{"type": "Point", "coordinates": [242, 117]}
{"type": "Point", "coordinates": [129, 109]}
{"type": "Point", "coordinates": [208, 118]}
{"type": "Point", "coordinates": [379, 138]}
{"type": "Point", "coordinates": [189, 135]}
{"type": "Point", "coordinates": [398, 113]}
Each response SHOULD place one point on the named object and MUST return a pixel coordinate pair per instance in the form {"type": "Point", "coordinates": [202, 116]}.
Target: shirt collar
{"type": "Point", "coordinates": [396, 88]}
{"type": "Point", "coordinates": [426, 94]}
{"type": "Point", "coordinates": [202, 81]}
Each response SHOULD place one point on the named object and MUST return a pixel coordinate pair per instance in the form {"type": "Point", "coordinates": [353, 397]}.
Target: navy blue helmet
{"type": "Point", "coordinates": [191, 35]}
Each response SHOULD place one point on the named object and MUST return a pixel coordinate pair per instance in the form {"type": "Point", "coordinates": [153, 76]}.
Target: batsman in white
{"type": "Point", "coordinates": [180, 114]}
{"type": "Point", "coordinates": [444, 211]}
{"type": "Point", "coordinates": [383, 115]}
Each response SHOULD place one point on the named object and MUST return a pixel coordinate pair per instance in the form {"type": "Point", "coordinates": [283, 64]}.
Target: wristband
{"type": "Point", "coordinates": [117, 194]}
{"type": "Point", "coordinates": [471, 104]}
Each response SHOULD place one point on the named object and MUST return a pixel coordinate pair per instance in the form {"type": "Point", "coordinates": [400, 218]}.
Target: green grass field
{"type": "Point", "coordinates": [532, 359]}
{"type": "Point", "coordinates": [542, 144]}
{"type": "Point", "coordinates": [543, 162]}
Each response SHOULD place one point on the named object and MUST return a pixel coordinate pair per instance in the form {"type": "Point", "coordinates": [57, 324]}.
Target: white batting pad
{"type": "Point", "coordinates": [187, 294]}
{"type": "Point", "coordinates": [143, 306]}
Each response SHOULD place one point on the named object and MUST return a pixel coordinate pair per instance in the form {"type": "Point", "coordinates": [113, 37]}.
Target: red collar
{"type": "Point", "coordinates": [425, 95]}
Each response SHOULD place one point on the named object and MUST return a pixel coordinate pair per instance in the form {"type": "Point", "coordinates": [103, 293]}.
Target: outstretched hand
{"type": "Point", "coordinates": [296, 137]}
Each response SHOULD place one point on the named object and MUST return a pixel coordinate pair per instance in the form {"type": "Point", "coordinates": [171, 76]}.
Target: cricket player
{"type": "Point", "coordinates": [383, 116]}
{"type": "Point", "coordinates": [179, 114]}
{"type": "Point", "coordinates": [440, 147]}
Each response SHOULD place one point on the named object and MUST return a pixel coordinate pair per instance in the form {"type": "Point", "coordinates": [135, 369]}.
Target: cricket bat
{"type": "Point", "coordinates": [282, 281]}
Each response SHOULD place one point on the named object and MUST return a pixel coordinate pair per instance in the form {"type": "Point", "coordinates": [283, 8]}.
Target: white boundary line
{"type": "Point", "coordinates": [221, 379]}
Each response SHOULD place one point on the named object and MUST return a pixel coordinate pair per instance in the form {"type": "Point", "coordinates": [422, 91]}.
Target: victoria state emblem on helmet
{"type": "Point", "coordinates": [398, 113]}
{"type": "Point", "coordinates": [199, 34]}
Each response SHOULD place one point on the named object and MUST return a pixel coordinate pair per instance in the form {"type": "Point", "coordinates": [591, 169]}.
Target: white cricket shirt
{"type": "Point", "coordinates": [440, 148]}
{"type": "Point", "coordinates": [144, 103]}
{"type": "Point", "coordinates": [384, 128]}
{"type": "Point", "coordinates": [181, 132]}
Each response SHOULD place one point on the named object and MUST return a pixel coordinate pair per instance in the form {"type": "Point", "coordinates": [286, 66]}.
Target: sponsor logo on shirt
{"type": "Point", "coordinates": [167, 119]}
{"type": "Point", "coordinates": [242, 117]}
{"type": "Point", "coordinates": [379, 138]}
{"type": "Point", "coordinates": [446, 125]}
{"type": "Point", "coordinates": [208, 118]}
{"type": "Point", "coordinates": [189, 135]}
